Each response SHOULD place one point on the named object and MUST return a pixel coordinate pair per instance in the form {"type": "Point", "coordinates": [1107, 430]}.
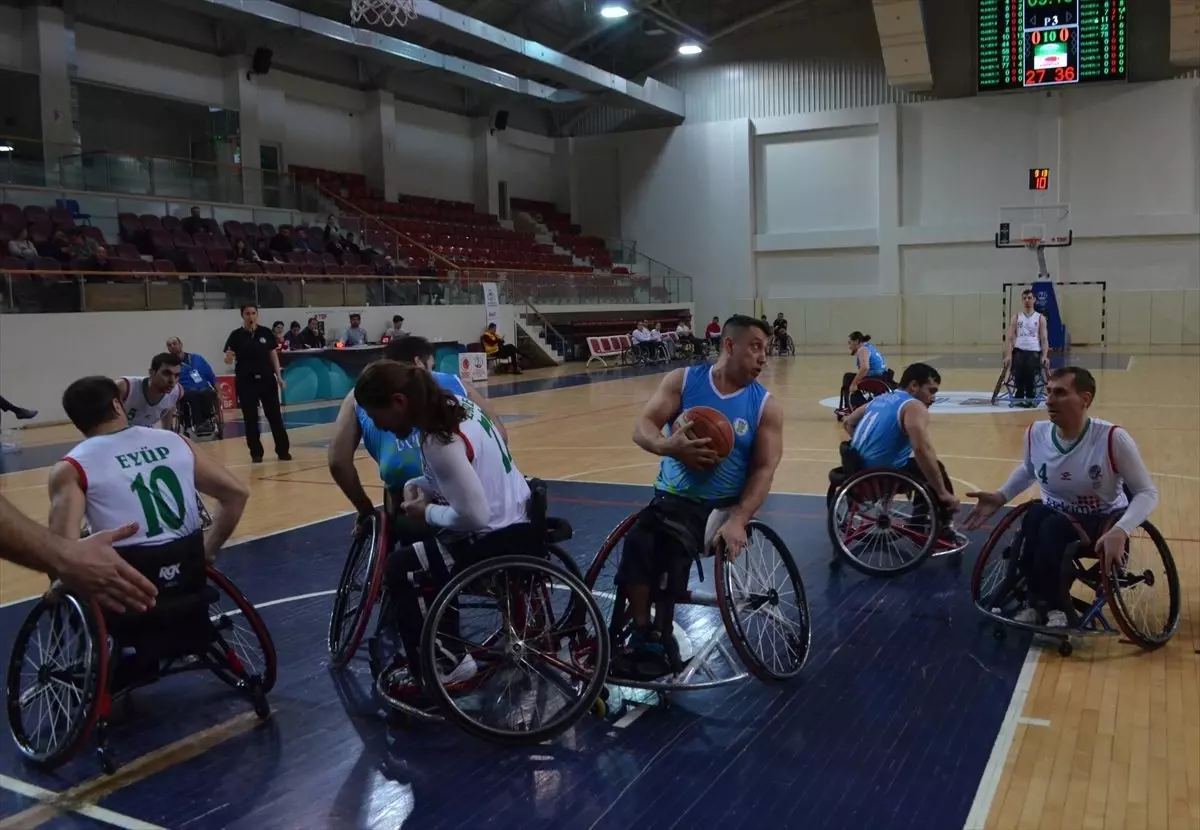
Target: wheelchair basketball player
{"type": "Point", "coordinates": [1083, 466]}
{"type": "Point", "coordinates": [870, 363]}
{"type": "Point", "coordinates": [121, 474]}
{"type": "Point", "coordinates": [700, 502]}
{"type": "Point", "coordinates": [153, 399]}
{"type": "Point", "coordinates": [1028, 341]}
{"type": "Point", "coordinates": [471, 498]}
{"type": "Point", "coordinates": [893, 431]}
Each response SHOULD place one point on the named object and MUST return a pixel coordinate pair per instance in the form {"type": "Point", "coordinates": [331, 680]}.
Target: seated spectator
{"type": "Point", "coordinates": [293, 341]}
{"type": "Point", "coordinates": [56, 247]}
{"type": "Point", "coordinates": [199, 384]}
{"type": "Point", "coordinates": [243, 254]}
{"type": "Point", "coordinates": [22, 248]}
{"type": "Point", "coordinates": [98, 261]}
{"type": "Point", "coordinates": [397, 328]}
{"type": "Point", "coordinates": [333, 232]}
{"type": "Point", "coordinates": [683, 331]}
{"type": "Point", "coordinates": [348, 245]}
{"type": "Point", "coordinates": [387, 268]}
{"type": "Point", "coordinates": [643, 341]}
{"type": "Point", "coordinates": [667, 343]}
{"type": "Point", "coordinates": [356, 335]}
{"type": "Point", "coordinates": [311, 337]}
{"type": "Point", "coordinates": [495, 347]}
{"type": "Point", "coordinates": [277, 329]}
{"type": "Point", "coordinates": [282, 243]}
{"type": "Point", "coordinates": [712, 333]}
{"type": "Point", "coordinates": [193, 223]}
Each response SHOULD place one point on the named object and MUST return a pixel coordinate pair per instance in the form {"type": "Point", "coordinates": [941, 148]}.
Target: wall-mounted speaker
{"type": "Point", "coordinates": [260, 63]}
{"type": "Point", "coordinates": [501, 122]}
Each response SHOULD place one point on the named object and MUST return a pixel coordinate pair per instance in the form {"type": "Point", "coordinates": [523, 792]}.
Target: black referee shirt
{"type": "Point", "coordinates": [252, 351]}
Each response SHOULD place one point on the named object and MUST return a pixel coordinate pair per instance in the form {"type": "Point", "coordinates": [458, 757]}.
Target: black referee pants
{"type": "Point", "coordinates": [251, 391]}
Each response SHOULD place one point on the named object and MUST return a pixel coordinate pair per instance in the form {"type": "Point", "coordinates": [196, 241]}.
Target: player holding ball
{"type": "Point", "coordinates": [718, 462]}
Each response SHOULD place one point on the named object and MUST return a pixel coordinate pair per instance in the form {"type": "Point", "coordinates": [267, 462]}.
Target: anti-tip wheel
{"type": "Point", "coordinates": [108, 764]}
{"type": "Point", "coordinates": [1065, 648]}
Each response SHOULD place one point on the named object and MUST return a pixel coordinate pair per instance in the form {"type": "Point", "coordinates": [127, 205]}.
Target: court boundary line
{"type": "Point", "coordinates": [989, 781]}
{"type": "Point", "coordinates": [92, 811]}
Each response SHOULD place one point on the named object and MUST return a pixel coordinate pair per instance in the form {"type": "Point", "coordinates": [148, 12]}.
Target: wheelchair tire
{"type": "Point", "coordinates": [799, 641]}
{"type": "Point", "coordinates": [91, 673]}
{"type": "Point", "coordinates": [985, 589]}
{"type": "Point", "coordinates": [864, 479]}
{"type": "Point", "coordinates": [589, 681]}
{"type": "Point", "coordinates": [237, 670]}
{"type": "Point", "coordinates": [347, 622]}
{"type": "Point", "coordinates": [1113, 590]}
{"type": "Point", "coordinates": [1000, 384]}
{"type": "Point", "coordinates": [600, 562]}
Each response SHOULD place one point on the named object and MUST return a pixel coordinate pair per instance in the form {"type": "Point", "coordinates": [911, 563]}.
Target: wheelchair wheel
{"type": "Point", "coordinates": [57, 679]}
{"type": "Point", "coordinates": [600, 574]}
{"type": "Point", "coordinates": [1144, 594]}
{"type": "Point", "coordinates": [506, 622]}
{"type": "Point", "coordinates": [883, 522]}
{"type": "Point", "coordinates": [1001, 383]}
{"type": "Point", "coordinates": [358, 590]}
{"type": "Point", "coordinates": [996, 585]}
{"type": "Point", "coordinates": [763, 606]}
{"type": "Point", "coordinates": [245, 652]}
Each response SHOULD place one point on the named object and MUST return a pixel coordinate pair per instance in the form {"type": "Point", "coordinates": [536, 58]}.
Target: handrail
{"type": "Point", "coordinates": [341, 200]}
{"type": "Point", "coordinates": [540, 315]}
{"type": "Point", "coordinates": [68, 271]}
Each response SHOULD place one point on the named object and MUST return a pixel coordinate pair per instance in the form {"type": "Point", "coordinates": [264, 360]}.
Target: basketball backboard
{"type": "Point", "coordinates": [1035, 226]}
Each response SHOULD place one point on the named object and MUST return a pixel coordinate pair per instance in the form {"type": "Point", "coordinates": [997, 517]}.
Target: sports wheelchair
{"type": "Point", "coordinates": [505, 613]}
{"type": "Point", "coordinates": [763, 609]}
{"type": "Point", "coordinates": [1147, 619]}
{"type": "Point", "coordinates": [1005, 390]}
{"type": "Point", "coordinates": [212, 427]}
{"type": "Point", "coordinates": [789, 346]}
{"type": "Point", "coordinates": [868, 390]}
{"type": "Point", "coordinates": [71, 660]}
{"type": "Point", "coordinates": [882, 521]}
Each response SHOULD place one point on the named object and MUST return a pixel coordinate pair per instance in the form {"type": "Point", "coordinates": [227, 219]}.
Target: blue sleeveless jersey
{"type": "Point", "coordinates": [876, 365]}
{"type": "Point", "coordinates": [743, 409]}
{"type": "Point", "coordinates": [399, 459]}
{"type": "Point", "coordinates": [878, 437]}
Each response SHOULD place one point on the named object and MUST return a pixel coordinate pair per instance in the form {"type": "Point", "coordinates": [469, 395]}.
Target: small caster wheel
{"type": "Point", "coordinates": [107, 764]}
{"type": "Point", "coordinates": [1065, 648]}
{"type": "Point", "coordinates": [600, 708]}
{"type": "Point", "coordinates": [998, 632]}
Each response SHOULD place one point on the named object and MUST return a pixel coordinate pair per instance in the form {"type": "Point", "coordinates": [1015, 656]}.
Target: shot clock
{"type": "Point", "coordinates": [1045, 43]}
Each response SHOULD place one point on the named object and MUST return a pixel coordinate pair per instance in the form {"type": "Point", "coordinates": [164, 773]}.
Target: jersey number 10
{"type": "Point", "coordinates": [154, 504]}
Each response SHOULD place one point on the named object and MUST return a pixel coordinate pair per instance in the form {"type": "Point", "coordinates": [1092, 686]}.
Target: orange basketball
{"type": "Point", "coordinates": [709, 423]}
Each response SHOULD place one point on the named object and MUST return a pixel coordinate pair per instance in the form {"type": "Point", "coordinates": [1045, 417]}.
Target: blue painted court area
{"type": "Point", "coordinates": [889, 726]}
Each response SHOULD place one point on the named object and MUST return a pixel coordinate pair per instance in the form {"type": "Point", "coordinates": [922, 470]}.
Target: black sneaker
{"type": "Point", "coordinates": [285, 456]}
{"type": "Point", "coordinates": [256, 459]}
{"type": "Point", "coordinates": [644, 657]}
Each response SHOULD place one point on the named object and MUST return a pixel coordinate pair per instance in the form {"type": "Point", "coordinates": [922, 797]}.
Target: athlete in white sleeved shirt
{"type": "Point", "coordinates": [152, 400]}
{"type": "Point", "coordinates": [471, 495]}
{"type": "Point", "coordinates": [1083, 466]}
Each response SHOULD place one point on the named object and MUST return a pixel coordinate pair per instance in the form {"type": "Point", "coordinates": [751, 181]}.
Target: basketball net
{"type": "Point", "coordinates": [382, 12]}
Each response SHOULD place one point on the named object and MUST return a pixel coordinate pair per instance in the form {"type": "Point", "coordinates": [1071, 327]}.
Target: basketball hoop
{"type": "Point", "coordinates": [382, 12]}
{"type": "Point", "coordinates": [1032, 242]}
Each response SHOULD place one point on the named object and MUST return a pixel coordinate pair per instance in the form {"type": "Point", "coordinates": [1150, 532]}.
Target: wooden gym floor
{"type": "Point", "coordinates": [1108, 738]}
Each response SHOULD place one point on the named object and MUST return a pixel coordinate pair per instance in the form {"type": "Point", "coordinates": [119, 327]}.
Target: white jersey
{"type": "Point", "coordinates": [506, 489]}
{"type": "Point", "coordinates": [142, 475]}
{"type": "Point", "coordinates": [1028, 337]}
{"type": "Point", "coordinates": [1077, 477]}
{"type": "Point", "coordinates": [140, 411]}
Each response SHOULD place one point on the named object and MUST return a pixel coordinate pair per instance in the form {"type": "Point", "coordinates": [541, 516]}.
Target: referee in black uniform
{"type": "Point", "coordinates": [258, 379]}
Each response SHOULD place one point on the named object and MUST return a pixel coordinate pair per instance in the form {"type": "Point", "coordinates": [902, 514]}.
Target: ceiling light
{"type": "Point", "coordinates": [6, 148]}
{"type": "Point", "coordinates": [690, 49]}
{"type": "Point", "coordinates": [614, 11]}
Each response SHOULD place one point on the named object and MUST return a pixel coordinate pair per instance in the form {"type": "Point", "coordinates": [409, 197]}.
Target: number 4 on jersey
{"type": "Point", "coordinates": [1041, 474]}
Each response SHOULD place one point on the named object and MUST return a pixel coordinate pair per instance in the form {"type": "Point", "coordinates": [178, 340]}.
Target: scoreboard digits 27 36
{"type": "Point", "coordinates": [1036, 43]}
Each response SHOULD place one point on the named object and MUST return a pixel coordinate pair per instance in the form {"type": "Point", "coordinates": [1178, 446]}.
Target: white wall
{"type": "Point", "coordinates": [12, 46]}
{"type": "Point", "coordinates": [903, 200]}
{"type": "Point", "coordinates": [527, 164]}
{"type": "Point", "coordinates": [63, 360]}
{"type": "Point", "coordinates": [437, 153]}
{"type": "Point", "coordinates": [115, 59]}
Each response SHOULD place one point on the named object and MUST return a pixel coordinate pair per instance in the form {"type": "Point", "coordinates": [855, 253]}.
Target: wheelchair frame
{"type": "Point", "coordinates": [100, 665]}
{"type": "Point", "coordinates": [1008, 384]}
{"type": "Point", "coordinates": [218, 420]}
{"type": "Point", "coordinates": [1105, 585]}
{"type": "Point", "coordinates": [704, 660]}
{"type": "Point", "coordinates": [842, 487]}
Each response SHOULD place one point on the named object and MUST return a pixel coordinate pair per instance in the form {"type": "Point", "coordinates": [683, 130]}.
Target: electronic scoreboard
{"type": "Point", "coordinates": [1045, 43]}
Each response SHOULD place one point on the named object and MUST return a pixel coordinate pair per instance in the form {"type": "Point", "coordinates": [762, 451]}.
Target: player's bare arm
{"type": "Point", "coordinates": [342, 445]}
{"type": "Point", "coordinates": [664, 405]}
{"type": "Point", "coordinates": [915, 421]}
{"type": "Point", "coordinates": [68, 502]}
{"type": "Point", "coordinates": [851, 420]}
{"type": "Point", "coordinates": [231, 495]}
{"type": "Point", "coordinates": [768, 451]}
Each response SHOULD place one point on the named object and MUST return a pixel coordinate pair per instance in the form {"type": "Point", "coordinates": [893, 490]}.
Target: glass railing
{"type": "Point", "coordinates": [626, 253]}
{"type": "Point", "coordinates": [34, 163]}
{"type": "Point", "coordinates": [29, 291]}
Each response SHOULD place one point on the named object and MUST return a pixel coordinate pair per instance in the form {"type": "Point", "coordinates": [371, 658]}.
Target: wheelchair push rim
{"type": "Point", "coordinates": [243, 654]}
{"type": "Point", "coordinates": [357, 591]}
{"type": "Point", "coordinates": [70, 679]}
{"type": "Point", "coordinates": [866, 530]}
{"type": "Point", "coordinates": [764, 607]}
{"type": "Point", "coordinates": [525, 589]}
{"type": "Point", "coordinates": [1148, 564]}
